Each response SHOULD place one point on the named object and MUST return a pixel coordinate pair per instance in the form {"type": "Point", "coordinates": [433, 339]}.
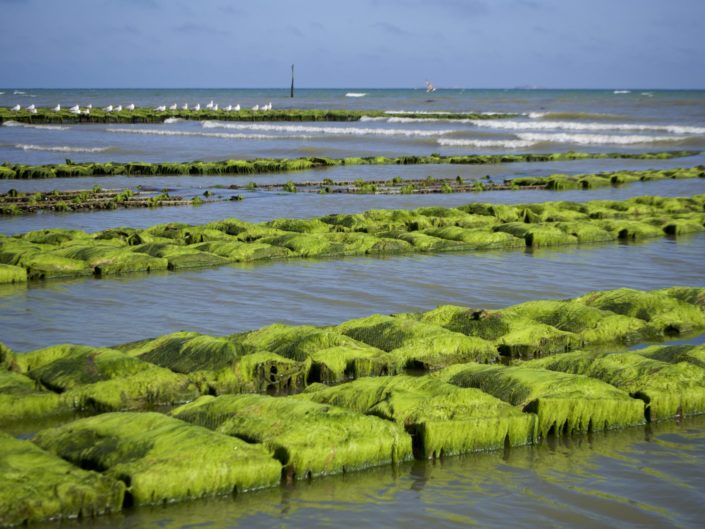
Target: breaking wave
{"type": "Point", "coordinates": [356, 94]}
{"type": "Point", "coordinates": [321, 130]}
{"type": "Point", "coordinates": [169, 121]}
{"type": "Point", "coordinates": [504, 144]}
{"type": "Point", "coordinates": [574, 125]}
{"type": "Point", "coordinates": [60, 148]}
{"type": "Point", "coordinates": [12, 123]}
{"type": "Point", "coordinates": [597, 139]}
{"type": "Point", "coordinates": [224, 135]}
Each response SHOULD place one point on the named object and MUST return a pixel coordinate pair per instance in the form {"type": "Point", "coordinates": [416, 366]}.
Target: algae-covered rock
{"type": "Point", "coordinates": [694, 354]}
{"type": "Point", "coordinates": [309, 439]}
{"type": "Point", "coordinates": [22, 398]}
{"type": "Point", "coordinates": [443, 419]}
{"type": "Point", "coordinates": [162, 459]}
{"type": "Point", "coordinates": [36, 486]}
{"type": "Point", "coordinates": [564, 403]}
{"type": "Point", "coordinates": [416, 344]}
{"type": "Point", "coordinates": [12, 274]}
{"type": "Point", "coordinates": [668, 390]}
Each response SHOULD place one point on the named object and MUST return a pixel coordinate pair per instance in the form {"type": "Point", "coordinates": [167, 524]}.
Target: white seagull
{"type": "Point", "coordinates": [57, 108]}
{"type": "Point", "coordinates": [131, 106]}
{"type": "Point", "coordinates": [237, 108]}
{"type": "Point", "coordinates": [89, 106]}
{"type": "Point", "coordinates": [255, 108]}
{"type": "Point", "coordinates": [173, 107]}
{"type": "Point", "coordinates": [118, 108]}
{"type": "Point", "coordinates": [197, 107]}
{"type": "Point", "coordinates": [215, 107]}
{"type": "Point", "coordinates": [31, 107]}
{"type": "Point", "coordinates": [109, 108]}
{"type": "Point", "coordinates": [16, 108]}
{"type": "Point", "coordinates": [160, 108]}
{"type": "Point", "coordinates": [75, 109]}
{"type": "Point", "coordinates": [184, 106]}
{"type": "Point", "coordinates": [228, 108]}
{"type": "Point", "coordinates": [209, 106]}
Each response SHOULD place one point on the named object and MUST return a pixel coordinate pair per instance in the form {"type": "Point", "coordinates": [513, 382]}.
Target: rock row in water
{"type": "Point", "coordinates": [60, 253]}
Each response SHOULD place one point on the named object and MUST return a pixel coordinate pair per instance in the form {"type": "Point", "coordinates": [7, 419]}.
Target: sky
{"type": "Point", "coordinates": [352, 43]}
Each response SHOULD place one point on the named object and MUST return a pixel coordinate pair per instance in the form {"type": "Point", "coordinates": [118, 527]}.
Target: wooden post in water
{"type": "Point", "coordinates": [292, 81]}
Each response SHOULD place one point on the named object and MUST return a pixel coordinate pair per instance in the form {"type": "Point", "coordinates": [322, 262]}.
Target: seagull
{"type": "Point", "coordinates": [209, 106]}
{"type": "Point", "coordinates": [184, 106]}
{"type": "Point", "coordinates": [228, 108]}
{"type": "Point", "coordinates": [255, 108]}
{"type": "Point", "coordinates": [89, 106]}
{"type": "Point", "coordinates": [215, 107]}
{"type": "Point", "coordinates": [75, 109]}
{"type": "Point", "coordinates": [131, 106]}
{"type": "Point", "coordinates": [118, 108]}
{"type": "Point", "coordinates": [87, 111]}
{"type": "Point", "coordinates": [16, 108]}
{"type": "Point", "coordinates": [197, 107]}
{"type": "Point", "coordinates": [173, 107]}
{"type": "Point", "coordinates": [31, 107]}
{"type": "Point", "coordinates": [57, 108]}
{"type": "Point", "coordinates": [109, 108]}
{"type": "Point", "coordinates": [237, 108]}
{"type": "Point", "coordinates": [160, 108]}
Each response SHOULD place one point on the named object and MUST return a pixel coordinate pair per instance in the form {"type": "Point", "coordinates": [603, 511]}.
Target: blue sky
{"type": "Point", "coordinates": [353, 43]}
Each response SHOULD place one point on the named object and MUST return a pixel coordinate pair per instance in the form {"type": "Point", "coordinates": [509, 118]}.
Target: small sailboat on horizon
{"type": "Point", "coordinates": [430, 87]}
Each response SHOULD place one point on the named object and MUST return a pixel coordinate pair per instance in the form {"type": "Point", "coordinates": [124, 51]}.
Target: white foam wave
{"type": "Point", "coordinates": [169, 121]}
{"type": "Point", "coordinates": [585, 126]}
{"type": "Point", "coordinates": [536, 115]}
{"type": "Point", "coordinates": [356, 94]}
{"type": "Point", "coordinates": [223, 135]}
{"type": "Point", "coordinates": [504, 144]}
{"type": "Point", "coordinates": [370, 118]}
{"type": "Point", "coordinates": [310, 129]}
{"type": "Point", "coordinates": [622, 92]}
{"type": "Point", "coordinates": [60, 148]}
{"type": "Point", "coordinates": [437, 112]}
{"type": "Point", "coordinates": [11, 123]}
{"type": "Point", "coordinates": [597, 139]}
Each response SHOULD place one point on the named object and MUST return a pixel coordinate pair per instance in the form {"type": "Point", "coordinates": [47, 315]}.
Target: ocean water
{"type": "Point", "coordinates": [641, 477]}
{"type": "Point", "coordinates": [547, 121]}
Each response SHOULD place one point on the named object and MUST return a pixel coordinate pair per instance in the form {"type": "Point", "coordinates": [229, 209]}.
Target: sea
{"type": "Point", "coordinates": [650, 476]}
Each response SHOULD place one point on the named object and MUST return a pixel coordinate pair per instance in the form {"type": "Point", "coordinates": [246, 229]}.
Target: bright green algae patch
{"type": "Point", "coordinates": [309, 439]}
{"type": "Point", "coordinates": [37, 486]}
{"type": "Point", "coordinates": [668, 390]}
{"type": "Point", "coordinates": [443, 419]}
{"type": "Point", "coordinates": [694, 354]}
{"type": "Point", "coordinates": [279, 165]}
{"type": "Point", "coordinates": [57, 253]}
{"type": "Point", "coordinates": [160, 458]}
{"type": "Point", "coordinates": [564, 403]}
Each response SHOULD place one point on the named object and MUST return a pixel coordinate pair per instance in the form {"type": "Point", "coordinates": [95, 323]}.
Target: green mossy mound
{"type": "Point", "coordinates": [414, 344]}
{"type": "Point", "coordinates": [668, 390]}
{"type": "Point", "coordinates": [309, 439]}
{"type": "Point", "coordinates": [162, 459]}
{"type": "Point", "coordinates": [12, 274]}
{"type": "Point", "coordinates": [694, 354]}
{"type": "Point", "coordinates": [21, 398]}
{"type": "Point", "coordinates": [36, 486]}
{"type": "Point", "coordinates": [67, 253]}
{"type": "Point", "coordinates": [441, 418]}
{"type": "Point", "coordinates": [564, 403]}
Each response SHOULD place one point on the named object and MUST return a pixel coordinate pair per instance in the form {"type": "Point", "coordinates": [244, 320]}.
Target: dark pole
{"type": "Point", "coordinates": [292, 80]}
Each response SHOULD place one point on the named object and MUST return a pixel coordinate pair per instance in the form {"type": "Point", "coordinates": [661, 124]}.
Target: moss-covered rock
{"type": "Point", "coordinates": [12, 274]}
{"type": "Point", "coordinates": [36, 486]}
{"type": "Point", "coordinates": [162, 459]}
{"type": "Point", "coordinates": [442, 419]}
{"type": "Point", "coordinates": [564, 403]}
{"type": "Point", "coordinates": [309, 439]}
{"type": "Point", "coordinates": [22, 398]}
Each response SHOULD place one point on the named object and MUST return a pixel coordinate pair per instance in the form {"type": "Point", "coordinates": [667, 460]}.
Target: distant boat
{"type": "Point", "coordinates": [430, 87]}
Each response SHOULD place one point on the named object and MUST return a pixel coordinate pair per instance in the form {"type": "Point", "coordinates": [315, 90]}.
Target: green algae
{"type": "Point", "coordinates": [278, 165]}
{"type": "Point", "coordinates": [36, 486]}
{"type": "Point", "coordinates": [22, 398]}
{"type": "Point", "coordinates": [162, 459]}
{"type": "Point", "coordinates": [694, 354]}
{"type": "Point", "coordinates": [442, 419]}
{"type": "Point", "coordinates": [668, 390]}
{"type": "Point", "coordinates": [308, 438]}
{"type": "Point", "coordinates": [564, 403]}
{"type": "Point", "coordinates": [47, 254]}
{"type": "Point", "coordinates": [12, 274]}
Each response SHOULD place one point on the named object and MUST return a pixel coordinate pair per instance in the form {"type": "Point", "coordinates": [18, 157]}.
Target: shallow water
{"type": "Point", "coordinates": [307, 291]}
{"type": "Point", "coordinates": [640, 477]}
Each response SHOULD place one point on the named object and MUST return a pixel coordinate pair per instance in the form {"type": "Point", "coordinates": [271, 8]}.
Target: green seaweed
{"type": "Point", "coordinates": [309, 439]}
{"type": "Point", "coordinates": [36, 486]}
{"type": "Point", "coordinates": [162, 459]}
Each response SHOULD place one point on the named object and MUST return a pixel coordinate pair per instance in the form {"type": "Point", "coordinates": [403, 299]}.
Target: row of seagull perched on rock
{"type": "Point", "coordinates": [76, 109]}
